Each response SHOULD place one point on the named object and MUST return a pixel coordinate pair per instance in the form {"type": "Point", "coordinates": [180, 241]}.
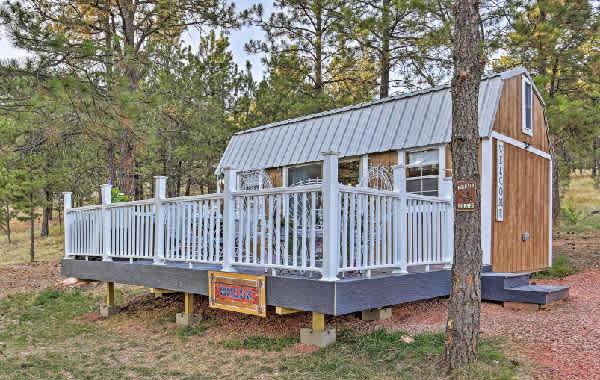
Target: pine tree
{"type": "Point", "coordinates": [462, 329]}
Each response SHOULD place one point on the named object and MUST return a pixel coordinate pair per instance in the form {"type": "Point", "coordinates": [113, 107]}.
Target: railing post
{"type": "Point", "coordinates": [400, 216]}
{"type": "Point", "coordinates": [67, 205]}
{"type": "Point", "coordinates": [106, 224]}
{"type": "Point", "coordinates": [448, 243]}
{"type": "Point", "coordinates": [331, 212]}
{"type": "Point", "coordinates": [229, 187]}
{"type": "Point", "coordinates": [160, 193]}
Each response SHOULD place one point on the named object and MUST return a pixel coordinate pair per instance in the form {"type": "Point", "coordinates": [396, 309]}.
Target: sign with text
{"type": "Point", "coordinates": [465, 195]}
{"type": "Point", "coordinates": [239, 292]}
{"type": "Point", "coordinates": [499, 181]}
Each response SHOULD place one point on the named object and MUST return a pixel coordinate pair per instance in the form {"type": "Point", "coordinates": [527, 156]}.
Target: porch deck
{"type": "Point", "coordinates": [297, 291]}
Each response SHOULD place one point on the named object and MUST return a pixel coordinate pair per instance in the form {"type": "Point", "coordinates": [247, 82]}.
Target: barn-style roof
{"type": "Point", "coordinates": [411, 120]}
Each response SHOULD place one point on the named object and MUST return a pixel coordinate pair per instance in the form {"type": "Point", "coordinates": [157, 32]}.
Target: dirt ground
{"type": "Point", "coordinates": [563, 341]}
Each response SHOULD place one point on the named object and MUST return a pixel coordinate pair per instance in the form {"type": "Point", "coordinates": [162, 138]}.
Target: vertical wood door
{"type": "Point", "coordinates": [526, 210]}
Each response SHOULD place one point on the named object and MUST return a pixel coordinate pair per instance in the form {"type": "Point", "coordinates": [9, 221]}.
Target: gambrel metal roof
{"type": "Point", "coordinates": [416, 119]}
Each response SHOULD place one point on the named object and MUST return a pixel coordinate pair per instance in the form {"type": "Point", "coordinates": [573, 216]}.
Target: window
{"type": "Point", "coordinates": [423, 170]}
{"type": "Point", "coordinates": [305, 174]}
{"type": "Point", "coordinates": [527, 127]}
{"type": "Point", "coordinates": [349, 171]}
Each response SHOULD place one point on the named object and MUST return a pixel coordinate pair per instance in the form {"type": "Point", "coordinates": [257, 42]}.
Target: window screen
{"type": "Point", "coordinates": [422, 172]}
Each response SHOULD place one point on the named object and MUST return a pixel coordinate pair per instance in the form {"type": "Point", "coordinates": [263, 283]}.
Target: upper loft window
{"type": "Point", "coordinates": [305, 174]}
{"type": "Point", "coordinates": [423, 169]}
{"type": "Point", "coordinates": [527, 126]}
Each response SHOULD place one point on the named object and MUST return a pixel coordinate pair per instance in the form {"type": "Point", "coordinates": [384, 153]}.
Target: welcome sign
{"type": "Point", "coordinates": [239, 292]}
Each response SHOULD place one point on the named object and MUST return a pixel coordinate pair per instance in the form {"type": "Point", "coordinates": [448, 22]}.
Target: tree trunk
{"type": "Point", "coordinates": [8, 221]}
{"type": "Point", "coordinates": [45, 229]}
{"type": "Point", "coordinates": [32, 234]}
{"type": "Point", "coordinates": [555, 189]}
{"type": "Point", "coordinates": [319, 52]}
{"type": "Point", "coordinates": [595, 158]}
{"type": "Point", "coordinates": [384, 86]}
{"type": "Point", "coordinates": [462, 330]}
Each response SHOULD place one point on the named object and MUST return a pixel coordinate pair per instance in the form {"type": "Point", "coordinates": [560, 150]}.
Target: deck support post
{"type": "Point", "coordinates": [110, 308]}
{"type": "Point", "coordinates": [67, 205]}
{"type": "Point", "coordinates": [318, 336]}
{"type": "Point", "coordinates": [230, 182]}
{"type": "Point", "coordinates": [448, 244]}
{"type": "Point", "coordinates": [160, 193]}
{"type": "Point", "coordinates": [187, 318]}
{"type": "Point", "coordinates": [106, 190]}
{"type": "Point", "coordinates": [400, 216]}
{"type": "Point", "coordinates": [331, 241]}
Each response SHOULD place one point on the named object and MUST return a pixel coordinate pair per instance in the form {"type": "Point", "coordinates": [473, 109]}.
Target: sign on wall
{"type": "Point", "coordinates": [465, 195]}
{"type": "Point", "coordinates": [499, 181]}
{"type": "Point", "coordinates": [237, 292]}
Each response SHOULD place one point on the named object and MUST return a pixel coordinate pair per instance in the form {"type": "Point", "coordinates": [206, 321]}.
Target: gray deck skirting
{"type": "Point", "coordinates": [333, 298]}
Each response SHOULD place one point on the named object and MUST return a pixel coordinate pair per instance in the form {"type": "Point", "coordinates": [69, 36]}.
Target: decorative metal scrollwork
{"type": "Point", "coordinates": [255, 180]}
{"type": "Point", "coordinates": [380, 178]}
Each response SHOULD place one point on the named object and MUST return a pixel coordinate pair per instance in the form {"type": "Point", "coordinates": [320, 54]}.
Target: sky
{"type": "Point", "coordinates": [237, 39]}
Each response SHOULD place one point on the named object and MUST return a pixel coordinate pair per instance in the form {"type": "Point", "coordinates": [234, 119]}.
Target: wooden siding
{"type": "Point", "coordinates": [509, 116]}
{"type": "Point", "coordinates": [526, 209]}
{"type": "Point", "coordinates": [276, 176]}
{"type": "Point", "coordinates": [388, 159]}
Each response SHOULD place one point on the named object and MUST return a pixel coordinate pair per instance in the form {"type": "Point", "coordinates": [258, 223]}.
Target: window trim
{"type": "Point", "coordinates": [525, 81]}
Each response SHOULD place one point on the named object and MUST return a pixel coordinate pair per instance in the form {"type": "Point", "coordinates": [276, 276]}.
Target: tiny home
{"type": "Point", "coordinates": [343, 211]}
{"type": "Point", "coordinates": [414, 131]}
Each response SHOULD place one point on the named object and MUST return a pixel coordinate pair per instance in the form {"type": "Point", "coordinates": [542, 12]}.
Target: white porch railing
{"type": "Point", "coordinates": [326, 228]}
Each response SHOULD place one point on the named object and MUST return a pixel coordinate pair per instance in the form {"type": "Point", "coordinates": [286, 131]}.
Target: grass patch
{"type": "Point", "coordinates": [384, 355]}
{"type": "Point", "coordinates": [578, 202]}
{"type": "Point", "coordinates": [198, 329]}
{"type": "Point", "coordinates": [47, 248]}
{"type": "Point", "coordinates": [46, 316]}
{"type": "Point", "coordinates": [256, 342]}
{"type": "Point", "coordinates": [561, 267]}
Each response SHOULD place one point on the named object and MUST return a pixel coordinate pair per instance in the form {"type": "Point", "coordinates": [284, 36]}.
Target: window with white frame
{"type": "Point", "coordinates": [423, 169]}
{"type": "Point", "coordinates": [527, 93]}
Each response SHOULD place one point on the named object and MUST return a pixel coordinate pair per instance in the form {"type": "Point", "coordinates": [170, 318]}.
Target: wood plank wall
{"type": "Point", "coordinates": [509, 116]}
{"type": "Point", "coordinates": [526, 208]}
{"type": "Point", "coordinates": [276, 176]}
{"type": "Point", "coordinates": [388, 159]}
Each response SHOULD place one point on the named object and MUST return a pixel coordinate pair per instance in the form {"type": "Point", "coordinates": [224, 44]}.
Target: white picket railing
{"type": "Point", "coordinates": [328, 227]}
{"type": "Point", "coordinates": [279, 228]}
{"type": "Point", "coordinates": [194, 229]}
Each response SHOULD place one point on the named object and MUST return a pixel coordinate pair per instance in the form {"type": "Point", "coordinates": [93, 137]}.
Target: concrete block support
{"type": "Point", "coordinates": [318, 336]}
{"type": "Point", "coordinates": [107, 311]}
{"type": "Point", "coordinates": [376, 314]}
{"type": "Point", "coordinates": [187, 318]}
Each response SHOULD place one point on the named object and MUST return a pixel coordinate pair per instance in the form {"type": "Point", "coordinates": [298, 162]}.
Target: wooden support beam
{"type": "Point", "coordinates": [284, 310]}
{"type": "Point", "coordinates": [189, 303]}
{"type": "Point", "coordinates": [159, 291]}
{"type": "Point", "coordinates": [110, 294]}
{"type": "Point", "coordinates": [318, 321]}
